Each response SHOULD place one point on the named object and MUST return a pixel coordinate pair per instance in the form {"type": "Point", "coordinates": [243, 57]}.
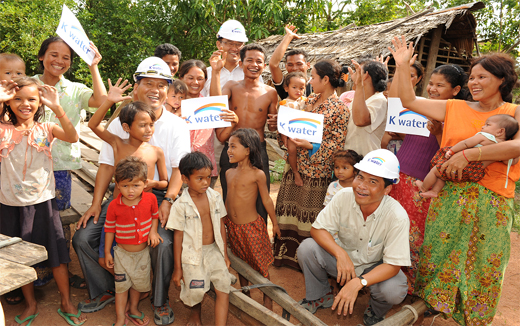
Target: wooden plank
{"type": "Point", "coordinates": [81, 175]}
{"type": "Point", "coordinates": [90, 169]}
{"type": "Point", "coordinates": [89, 154]}
{"type": "Point", "coordinates": [278, 296]}
{"type": "Point", "coordinates": [273, 150]}
{"type": "Point", "coordinates": [405, 316]}
{"type": "Point", "coordinates": [69, 216]}
{"type": "Point", "coordinates": [432, 57]}
{"type": "Point", "coordinates": [89, 138]}
{"type": "Point", "coordinates": [24, 253]}
{"type": "Point", "coordinates": [15, 275]}
{"type": "Point", "coordinates": [80, 200]}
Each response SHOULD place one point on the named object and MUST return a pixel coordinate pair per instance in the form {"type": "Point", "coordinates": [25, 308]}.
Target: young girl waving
{"type": "Point", "coordinates": [28, 209]}
{"type": "Point", "coordinates": [247, 232]}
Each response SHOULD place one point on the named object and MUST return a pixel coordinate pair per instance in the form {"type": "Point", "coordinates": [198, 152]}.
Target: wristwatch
{"type": "Point", "coordinates": [363, 281]}
{"type": "Point", "coordinates": [170, 200]}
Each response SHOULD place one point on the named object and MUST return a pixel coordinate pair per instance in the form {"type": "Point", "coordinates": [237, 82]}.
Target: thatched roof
{"type": "Point", "coordinates": [348, 43]}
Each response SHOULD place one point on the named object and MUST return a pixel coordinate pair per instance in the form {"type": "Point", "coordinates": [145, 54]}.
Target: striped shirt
{"type": "Point", "coordinates": [132, 224]}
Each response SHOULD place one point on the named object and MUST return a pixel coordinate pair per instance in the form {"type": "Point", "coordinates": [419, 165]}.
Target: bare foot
{"type": "Point", "coordinates": [298, 179]}
{"type": "Point", "coordinates": [29, 311]}
{"type": "Point", "coordinates": [419, 185]}
{"type": "Point", "coordinates": [137, 321]}
{"type": "Point", "coordinates": [429, 194]}
{"type": "Point", "coordinates": [194, 319]}
{"type": "Point", "coordinates": [143, 296]}
{"type": "Point", "coordinates": [71, 309]}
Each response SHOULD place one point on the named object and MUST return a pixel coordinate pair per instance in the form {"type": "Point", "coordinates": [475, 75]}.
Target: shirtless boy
{"type": "Point", "coordinates": [251, 100]}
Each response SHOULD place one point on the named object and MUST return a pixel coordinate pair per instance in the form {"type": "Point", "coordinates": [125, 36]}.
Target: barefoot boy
{"type": "Point", "coordinates": [199, 241]}
{"type": "Point", "coordinates": [132, 218]}
{"type": "Point", "coordinates": [251, 101]}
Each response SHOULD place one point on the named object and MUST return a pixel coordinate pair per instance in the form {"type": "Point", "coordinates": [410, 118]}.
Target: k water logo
{"type": "Point", "coordinates": [405, 121]}
{"type": "Point", "coordinates": [306, 122]}
{"type": "Point", "coordinates": [377, 160]}
{"type": "Point", "coordinates": [73, 34]}
{"type": "Point", "coordinates": [204, 112]}
{"type": "Point", "coordinates": [300, 124]}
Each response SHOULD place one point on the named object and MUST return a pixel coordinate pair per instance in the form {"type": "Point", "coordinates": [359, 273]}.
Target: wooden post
{"type": "Point", "coordinates": [432, 57]}
{"type": "Point", "coordinates": [405, 316]}
{"type": "Point", "coordinates": [278, 296]}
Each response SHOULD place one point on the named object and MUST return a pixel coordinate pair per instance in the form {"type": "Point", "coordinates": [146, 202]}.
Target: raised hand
{"type": "Point", "coordinates": [97, 55]}
{"type": "Point", "coordinates": [403, 54]}
{"type": "Point", "coordinates": [115, 92]}
{"type": "Point", "coordinates": [290, 31]}
{"type": "Point", "coordinates": [7, 90]}
{"type": "Point", "coordinates": [50, 98]}
{"type": "Point", "coordinates": [216, 61]}
{"type": "Point", "coordinates": [383, 60]}
{"type": "Point", "coordinates": [357, 76]}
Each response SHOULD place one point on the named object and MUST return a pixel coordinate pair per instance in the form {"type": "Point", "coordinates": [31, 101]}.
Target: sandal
{"type": "Point", "coordinates": [67, 316]}
{"type": "Point", "coordinates": [134, 318]}
{"type": "Point", "coordinates": [14, 297]}
{"type": "Point", "coordinates": [29, 318]}
{"type": "Point", "coordinates": [77, 282]}
{"type": "Point", "coordinates": [98, 303]}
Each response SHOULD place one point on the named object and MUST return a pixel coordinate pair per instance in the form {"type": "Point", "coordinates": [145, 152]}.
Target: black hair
{"type": "Point", "coordinates": [351, 156]}
{"type": "Point", "coordinates": [455, 76]}
{"type": "Point", "coordinates": [131, 167]}
{"type": "Point", "coordinates": [187, 65]}
{"type": "Point", "coordinates": [388, 182]}
{"type": "Point", "coordinates": [249, 138]}
{"type": "Point", "coordinates": [294, 74]}
{"type": "Point", "coordinates": [194, 161]}
{"type": "Point", "coordinates": [179, 87]}
{"type": "Point", "coordinates": [331, 69]}
{"type": "Point", "coordinates": [418, 68]}
{"type": "Point", "coordinates": [507, 122]}
{"type": "Point", "coordinates": [252, 47]}
{"type": "Point", "coordinates": [165, 49]}
{"type": "Point", "coordinates": [23, 82]}
{"type": "Point", "coordinates": [365, 58]}
{"type": "Point", "coordinates": [129, 111]}
{"type": "Point", "coordinates": [297, 52]}
{"type": "Point", "coordinates": [379, 74]}
{"type": "Point", "coordinates": [501, 66]}
{"type": "Point", "coordinates": [45, 46]}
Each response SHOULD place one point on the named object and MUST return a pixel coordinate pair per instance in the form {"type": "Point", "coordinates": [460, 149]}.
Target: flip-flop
{"type": "Point", "coordinates": [29, 318]}
{"type": "Point", "coordinates": [14, 297]}
{"type": "Point", "coordinates": [134, 318]}
{"type": "Point", "coordinates": [67, 316]}
{"type": "Point", "coordinates": [77, 282]}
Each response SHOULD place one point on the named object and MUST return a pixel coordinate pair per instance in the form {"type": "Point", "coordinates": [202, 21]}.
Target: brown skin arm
{"type": "Point", "coordinates": [223, 134]}
{"type": "Point", "coordinates": [103, 178]}
{"type": "Point", "coordinates": [273, 106]}
{"type": "Point", "coordinates": [174, 186]}
{"type": "Point", "coordinates": [99, 91]}
{"type": "Point", "coordinates": [177, 255]}
{"type": "Point", "coordinates": [468, 143]}
{"type": "Point", "coordinates": [224, 239]}
{"type": "Point", "coordinates": [267, 201]}
{"type": "Point", "coordinates": [109, 239]}
{"type": "Point", "coordinates": [279, 52]}
{"type": "Point", "coordinates": [163, 172]}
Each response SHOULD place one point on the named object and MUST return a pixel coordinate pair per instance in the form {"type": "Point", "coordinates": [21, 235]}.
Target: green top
{"type": "Point", "coordinates": [73, 98]}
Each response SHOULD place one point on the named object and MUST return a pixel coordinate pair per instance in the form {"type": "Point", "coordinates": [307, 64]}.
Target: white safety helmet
{"type": "Point", "coordinates": [232, 30]}
{"type": "Point", "coordinates": [381, 163]}
{"type": "Point", "coordinates": [153, 67]}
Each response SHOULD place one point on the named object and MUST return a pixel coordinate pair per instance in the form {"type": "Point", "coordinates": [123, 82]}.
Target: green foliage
{"type": "Point", "coordinates": [277, 171]}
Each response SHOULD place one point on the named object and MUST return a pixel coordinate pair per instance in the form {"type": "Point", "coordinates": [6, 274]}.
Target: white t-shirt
{"type": "Point", "coordinates": [171, 135]}
{"type": "Point", "coordinates": [237, 74]}
{"type": "Point", "coordinates": [365, 139]}
{"type": "Point", "coordinates": [333, 188]}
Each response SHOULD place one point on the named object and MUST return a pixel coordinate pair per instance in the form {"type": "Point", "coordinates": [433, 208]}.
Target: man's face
{"type": "Point", "coordinates": [296, 62]}
{"type": "Point", "coordinates": [232, 48]}
{"type": "Point", "coordinates": [172, 61]}
{"type": "Point", "coordinates": [152, 91]}
{"type": "Point", "coordinates": [369, 190]}
{"type": "Point", "coordinates": [254, 64]}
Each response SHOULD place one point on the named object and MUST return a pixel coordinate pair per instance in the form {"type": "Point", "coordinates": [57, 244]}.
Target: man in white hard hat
{"type": "Point", "coordinates": [373, 232]}
{"type": "Point", "coordinates": [152, 78]}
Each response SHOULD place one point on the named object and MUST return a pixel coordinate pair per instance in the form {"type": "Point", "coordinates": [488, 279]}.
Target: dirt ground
{"type": "Point", "coordinates": [292, 280]}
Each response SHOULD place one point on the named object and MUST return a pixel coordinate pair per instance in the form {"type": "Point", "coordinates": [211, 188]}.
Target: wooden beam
{"type": "Point", "coordinates": [14, 276]}
{"type": "Point", "coordinates": [278, 296]}
{"type": "Point", "coordinates": [405, 316]}
{"type": "Point", "coordinates": [25, 253]}
{"type": "Point", "coordinates": [432, 57]}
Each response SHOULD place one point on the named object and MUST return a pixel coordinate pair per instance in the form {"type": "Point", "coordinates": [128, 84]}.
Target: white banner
{"type": "Point", "coordinates": [204, 112]}
{"type": "Point", "coordinates": [300, 124]}
{"type": "Point", "coordinates": [73, 34]}
{"type": "Point", "coordinates": [404, 121]}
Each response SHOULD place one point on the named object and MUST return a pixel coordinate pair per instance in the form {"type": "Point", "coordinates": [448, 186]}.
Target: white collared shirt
{"type": "Point", "coordinates": [384, 234]}
{"type": "Point", "coordinates": [237, 74]}
{"type": "Point", "coordinates": [171, 135]}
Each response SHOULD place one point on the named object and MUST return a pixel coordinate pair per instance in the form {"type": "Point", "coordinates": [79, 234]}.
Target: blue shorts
{"type": "Point", "coordinates": [102, 245]}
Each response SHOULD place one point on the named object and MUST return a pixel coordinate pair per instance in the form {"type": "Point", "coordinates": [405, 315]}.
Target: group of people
{"type": "Point", "coordinates": [349, 213]}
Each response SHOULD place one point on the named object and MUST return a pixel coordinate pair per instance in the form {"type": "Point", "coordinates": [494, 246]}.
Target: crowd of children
{"type": "Point", "coordinates": [204, 222]}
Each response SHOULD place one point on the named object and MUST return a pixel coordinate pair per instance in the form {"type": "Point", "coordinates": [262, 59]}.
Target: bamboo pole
{"type": "Point", "coordinates": [405, 316]}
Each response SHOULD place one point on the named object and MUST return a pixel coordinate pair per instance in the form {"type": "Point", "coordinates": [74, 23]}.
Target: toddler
{"type": "Point", "coordinates": [199, 241]}
{"type": "Point", "coordinates": [176, 93]}
{"type": "Point", "coordinates": [11, 66]}
{"type": "Point", "coordinates": [498, 128]}
{"type": "Point", "coordinates": [132, 219]}
{"type": "Point", "coordinates": [344, 170]}
{"type": "Point", "coordinates": [247, 232]}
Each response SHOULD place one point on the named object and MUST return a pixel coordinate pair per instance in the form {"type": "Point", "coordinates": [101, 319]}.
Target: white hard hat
{"type": "Point", "coordinates": [153, 67]}
{"type": "Point", "coordinates": [381, 163]}
{"type": "Point", "coordinates": [233, 31]}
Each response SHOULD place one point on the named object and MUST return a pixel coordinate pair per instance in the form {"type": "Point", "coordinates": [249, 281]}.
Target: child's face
{"type": "Point", "coordinates": [491, 126]}
{"type": "Point", "coordinates": [236, 151]}
{"type": "Point", "coordinates": [25, 102]}
{"type": "Point", "coordinates": [142, 127]}
{"type": "Point", "coordinates": [131, 189]}
{"type": "Point", "coordinates": [10, 69]}
{"type": "Point", "coordinates": [343, 170]}
{"type": "Point", "coordinates": [174, 99]}
{"type": "Point", "coordinates": [199, 181]}
{"type": "Point", "coordinates": [296, 88]}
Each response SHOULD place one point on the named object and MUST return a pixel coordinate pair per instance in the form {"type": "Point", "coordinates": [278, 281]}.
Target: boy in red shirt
{"type": "Point", "coordinates": [132, 218]}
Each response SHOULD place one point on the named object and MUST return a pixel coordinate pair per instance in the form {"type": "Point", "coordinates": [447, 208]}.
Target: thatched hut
{"type": "Point", "coordinates": [445, 36]}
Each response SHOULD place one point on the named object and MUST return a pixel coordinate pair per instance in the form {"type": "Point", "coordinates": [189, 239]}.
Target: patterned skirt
{"type": "Point", "coordinates": [406, 193]}
{"type": "Point", "coordinates": [473, 172]}
{"type": "Point", "coordinates": [250, 242]}
{"type": "Point", "coordinates": [296, 210]}
{"type": "Point", "coordinates": [465, 252]}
